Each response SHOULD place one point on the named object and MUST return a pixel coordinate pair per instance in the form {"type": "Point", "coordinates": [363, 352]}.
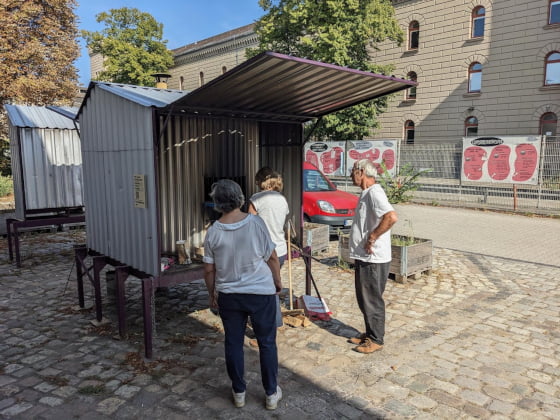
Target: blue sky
{"type": "Point", "coordinates": [184, 21]}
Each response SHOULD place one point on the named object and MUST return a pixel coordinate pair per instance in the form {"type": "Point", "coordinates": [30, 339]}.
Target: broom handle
{"type": "Point", "coordinates": [290, 264]}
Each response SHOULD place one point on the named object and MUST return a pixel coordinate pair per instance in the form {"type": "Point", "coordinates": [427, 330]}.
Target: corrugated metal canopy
{"type": "Point", "coordinates": [26, 116]}
{"type": "Point", "coordinates": [281, 87]}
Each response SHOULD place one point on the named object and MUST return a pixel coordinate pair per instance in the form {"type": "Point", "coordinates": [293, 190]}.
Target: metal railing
{"type": "Point", "coordinates": [442, 185]}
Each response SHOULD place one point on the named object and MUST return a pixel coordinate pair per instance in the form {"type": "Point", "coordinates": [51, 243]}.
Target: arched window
{"type": "Point", "coordinates": [477, 22]}
{"type": "Point", "coordinates": [549, 124]}
{"type": "Point", "coordinates": [411, 92]}
{"type": "Point", "coordinates": [409, 132]}
{"type": "Point", "coordinates": [554, 12]}
{"type": "Point", "coordinates": [201, 78]}
{"type": "Point", "coordinates": [181, 82]}
{"type": "Point", "coordinates": [413, 35]}
{"type": "Point", "coordinates": [552, 69]}
{"type": "Point", "coordinates": [224, 69]}
{"type": "Point", "coordinates": [475, 77]}
{"type": "Point", "coordinates": [471, 126]}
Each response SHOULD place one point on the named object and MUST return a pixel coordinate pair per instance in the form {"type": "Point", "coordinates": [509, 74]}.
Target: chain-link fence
{"type": "Point", "coordinates": [442, 185]}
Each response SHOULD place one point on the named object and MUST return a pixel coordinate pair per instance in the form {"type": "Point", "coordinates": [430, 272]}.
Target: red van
{"type": "Point", "coordinates": [324, 203]}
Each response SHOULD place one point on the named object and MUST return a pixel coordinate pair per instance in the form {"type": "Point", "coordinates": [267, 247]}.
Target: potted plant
{"type": "Point", "coordinates": [410, 256]}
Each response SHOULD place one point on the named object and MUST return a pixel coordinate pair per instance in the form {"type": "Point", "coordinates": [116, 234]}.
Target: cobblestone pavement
{"type": "Point", "coordinates": [477, 338]}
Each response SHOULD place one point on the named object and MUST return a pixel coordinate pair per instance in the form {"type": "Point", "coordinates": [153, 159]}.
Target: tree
{"type": "Point", "coordinates": [37, 50]}
{"type": "Point", "coordinates": [132, 46]}
{"type": "Point", "coordinates": [332, 31]}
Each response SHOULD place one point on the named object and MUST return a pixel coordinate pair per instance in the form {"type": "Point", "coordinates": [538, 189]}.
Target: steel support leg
{"type": "Point", "coordinates": [121, 274]}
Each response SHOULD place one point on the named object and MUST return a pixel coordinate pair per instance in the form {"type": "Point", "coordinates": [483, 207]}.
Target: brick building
{"type": "Point", "coordinates": [484, 67]}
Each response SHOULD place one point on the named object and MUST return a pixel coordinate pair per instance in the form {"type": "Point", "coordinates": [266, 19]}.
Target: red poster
{"type": "Point", "coordinates": [331, 161]}
{"type": "Point", "coordinates": [473, 158]}
{"type": "Point", "coordinates": [508, 159]}
{"type": "Point", "coordinates": [498, 162]}
{"type": "Point", "coordinates": [389, 158]}
{"type": "Point", "coordinates": [526, 159]}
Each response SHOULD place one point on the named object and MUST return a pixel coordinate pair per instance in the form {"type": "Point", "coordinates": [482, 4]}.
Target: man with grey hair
{"type": "Point", "coordinates": [370, 247]}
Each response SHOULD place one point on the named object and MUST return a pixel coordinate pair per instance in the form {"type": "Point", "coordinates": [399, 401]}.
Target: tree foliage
{"type": "Point", "coordinates": [132, 46]}
{"type": "Point", "coordinates": [332, 31]}
{"type": "Point", "coordinates": [37, 50]}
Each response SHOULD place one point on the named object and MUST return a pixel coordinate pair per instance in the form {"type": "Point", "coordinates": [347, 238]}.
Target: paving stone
{"type": "Point", "coordinates": [471, 366]}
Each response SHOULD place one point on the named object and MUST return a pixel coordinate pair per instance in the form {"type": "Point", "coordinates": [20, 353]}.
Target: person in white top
{"type": "Point", "coordinates": [370, 247]}
{"type": "Point", "coordinates": [273, 208]}
{"type": "Point", "coordinates": [242, 275]}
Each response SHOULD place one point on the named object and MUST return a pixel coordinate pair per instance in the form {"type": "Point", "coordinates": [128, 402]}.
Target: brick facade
{"type": "Point", "coordinates": [512, 52]}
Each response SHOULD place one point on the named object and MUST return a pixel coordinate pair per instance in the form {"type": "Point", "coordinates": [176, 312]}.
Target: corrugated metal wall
{"type": "Point", "coordinates": [47, 168]}
{"type": "Point", "coordinates": [281, 149]}
{"type": "Point", "coordinates": [117, 143]}
{"type": "Point", "coordinates": [194, 152]}
{"type": "Point", "coordinates": [17, 173]}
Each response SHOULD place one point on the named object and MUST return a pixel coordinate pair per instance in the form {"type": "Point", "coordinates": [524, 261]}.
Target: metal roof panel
{"type": "Point", "coordinates": [279, 86]}
{"type": "Point", "coordinates": [29, 116]}
{"type": "Point", "coordinates": [142, 95]}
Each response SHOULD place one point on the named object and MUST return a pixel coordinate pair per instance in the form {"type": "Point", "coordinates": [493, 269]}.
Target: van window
{"type": "Point", "coordinates": [314, 181]}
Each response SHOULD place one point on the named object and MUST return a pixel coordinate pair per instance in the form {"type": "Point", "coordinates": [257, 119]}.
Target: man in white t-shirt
{"type": "Point", "coordinates": [370, 247]}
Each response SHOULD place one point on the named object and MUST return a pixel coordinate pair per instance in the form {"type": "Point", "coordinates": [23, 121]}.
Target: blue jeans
{"type": "Point", "coordinates": [235, 308]}
{"type": "Point", "coordinates": [370, 280]}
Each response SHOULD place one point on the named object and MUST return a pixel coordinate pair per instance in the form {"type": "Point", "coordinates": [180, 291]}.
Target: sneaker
{"type": "Point", "coordinates": [359, 339]}
{"type": "Point", "coordinates": [368, 346]}
{"type": "Point", "coordinates": [272, 400]}
{"type": "Point", "coordinates": [238, 398]}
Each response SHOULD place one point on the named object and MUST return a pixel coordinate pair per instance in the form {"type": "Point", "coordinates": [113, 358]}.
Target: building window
{"type": "Point", "coordinates": [552, 69]}
{"type": "Point", "coordinates": [201, 78]}
{"type": "Point", "coordinates": [477, 23]}
{"type": "Point", "coordinates": [554, 12]}
{"type": "Point", "coordinates": [471, 126]}
{"type": "Point", "coordinates": [413, 35]}
{"type": "Point", "coordinates": [475, 77]}
{"type": "Point", "coordinates": [549, 124]}
{"type": "Point", "coordinates": [224, 69]}
{"type": "Point", "coordinates": [409, 132]}
{"type": "Point", "coordinates": [411, 92]}
{"type": "Point", "coordinates": [181, 82]}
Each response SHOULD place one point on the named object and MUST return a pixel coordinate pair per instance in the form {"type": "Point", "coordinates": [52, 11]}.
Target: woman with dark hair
{"type": "Point", "coordinates": [242, 275]}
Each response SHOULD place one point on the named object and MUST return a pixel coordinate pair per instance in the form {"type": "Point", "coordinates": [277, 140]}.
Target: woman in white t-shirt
{"type": "Point", "coordinates": [242, 275]}
{"type": "Point", "coordinates": [272, 207]}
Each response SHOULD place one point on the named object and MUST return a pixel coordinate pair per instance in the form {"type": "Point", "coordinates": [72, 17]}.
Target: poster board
{"type": "Point", "coordinates": [375, 150]}
{"type": "Point", "coordinates": [328, 156]}
{"type": "Point", "coordinates": [507, 159]}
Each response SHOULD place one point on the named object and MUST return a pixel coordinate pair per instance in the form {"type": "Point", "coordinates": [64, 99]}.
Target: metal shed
{"type": "Point", "coordinates": [46, 167]}
{"type": "Point", "coordinates": [151, 155]}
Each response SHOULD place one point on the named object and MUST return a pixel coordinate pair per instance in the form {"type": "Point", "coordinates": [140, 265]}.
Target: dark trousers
{"type": "Point", "coordinates": [235, 308]}
{"type": "Point", "coordinates": [370, 280]}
